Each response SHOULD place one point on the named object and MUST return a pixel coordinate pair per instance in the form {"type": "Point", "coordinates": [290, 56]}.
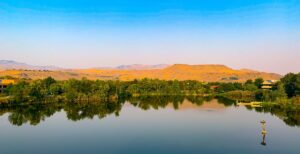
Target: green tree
{"type": "Point", "coordinates": [47, 82]}
{"type": "Point", "coordinates": [19, 91]}
{"type": "Point", "coordinates": [258, 82]}
{"type": "Point", "coordinates": [133, 89]}
{"type": "Point", "coordinates": [56, 89]}
{"type": "Point", "coordinates": [280, 92]}
{"type": "Point", "coordinates": [250, 87]}
{"type": "Point", "coordinates": [36, 91]}
{"type": "Point", "coordinates": [249, 81]}
{"type": "Point", "coordinates": [291, 84]}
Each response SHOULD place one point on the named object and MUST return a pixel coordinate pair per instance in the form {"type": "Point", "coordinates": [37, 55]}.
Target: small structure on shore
{"type": "Point", "coordinates": [268, 84]}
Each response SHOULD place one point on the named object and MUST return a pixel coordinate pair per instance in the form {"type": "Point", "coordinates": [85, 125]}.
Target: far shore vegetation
{"type": "Point", "coordinates": [285, 92]}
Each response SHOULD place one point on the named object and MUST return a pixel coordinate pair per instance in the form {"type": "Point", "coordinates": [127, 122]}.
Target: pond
{"type": "Point", "coordinates": [148, 125]}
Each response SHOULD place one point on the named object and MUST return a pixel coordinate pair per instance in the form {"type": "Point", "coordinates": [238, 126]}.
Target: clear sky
{"type": "Point", "coordinates": [256, 34]}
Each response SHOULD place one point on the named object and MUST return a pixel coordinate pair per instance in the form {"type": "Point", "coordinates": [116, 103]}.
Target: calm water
{"type": "Point", "coordinates": [152, 125]}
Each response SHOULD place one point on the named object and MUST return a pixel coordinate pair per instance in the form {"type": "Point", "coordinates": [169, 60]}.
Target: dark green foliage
{"type": "Point", "coordinates": [271, 95]}
{"type": "Point", "coordinates": [291, 83]}
{"type": "Point", "coordinates": [249, 82]}
{"type": "Point", "coordinates": [36, 90]}
{"type": "Point", "coordinates": [19, 91]}
{"type": "Point", "coordinates": [160, 87]}
{"type": "Point", "coordinates": [48, 82]}
{"type": "Point", "coordinates": [250, 87]}
{"type": "Point", "coordinates": [259, 95]}
{"type": "Point", "coordinates": [87, 90]}
{"type": "Point", "coordinates": [258, 82]}
{"type": "Point", "coordinates": [280, 90]}
{"type": "Point", "coordinates": [73, 90]}
{"type": "Point", "coordinates": [226, 87]}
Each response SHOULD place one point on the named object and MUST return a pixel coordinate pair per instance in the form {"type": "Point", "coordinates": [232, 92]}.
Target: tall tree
{"type": "Point", "coordinates": [258, 82]}
{"type": "Point", "coordinates": [291, 83]}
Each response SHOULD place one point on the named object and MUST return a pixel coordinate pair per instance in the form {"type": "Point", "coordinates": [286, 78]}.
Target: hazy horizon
{"type": "Point", "coordinates": [259, 35]}
{"type": "Point", "coordinates": [116, 67]}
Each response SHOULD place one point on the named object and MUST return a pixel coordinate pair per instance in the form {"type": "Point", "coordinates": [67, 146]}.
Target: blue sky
{"type": "Point", "coordinates": [256, 34]}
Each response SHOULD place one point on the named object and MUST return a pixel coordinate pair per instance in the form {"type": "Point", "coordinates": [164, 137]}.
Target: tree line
{"type": "Point", "coordinates": [72, 90]}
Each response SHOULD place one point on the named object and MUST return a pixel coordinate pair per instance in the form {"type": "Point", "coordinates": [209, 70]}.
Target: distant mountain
{"type": "Point", "coordinates": [213, 72]}
{"type": "Point", "coordinates": [10, 64]}
{"type": "Point", "coordinates": [206, 73]}
{"type": "Point", "coordinates": [134, 67]}
{"type": "Point", "coordinates": [141, 67]}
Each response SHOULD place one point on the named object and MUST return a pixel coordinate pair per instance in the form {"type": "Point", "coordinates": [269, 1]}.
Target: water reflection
{"type": "Point", "coordinates": [290, 116]}
{"type": "Point", "coordinates": [263, 132]}
{"type": "Point", "coordinates": [34, 114]}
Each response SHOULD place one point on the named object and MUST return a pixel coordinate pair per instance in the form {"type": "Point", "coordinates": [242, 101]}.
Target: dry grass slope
{"type": "Point", "coordinates": [206, 73]}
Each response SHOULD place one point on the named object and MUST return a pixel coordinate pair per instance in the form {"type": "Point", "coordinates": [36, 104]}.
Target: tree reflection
{"type": "Point", "coordinates": [226, 101]}
{"type": "Point", "coordinates": [36, 113]}
{"type": "Point", "coordinates": [89, 111]}
{"type": "Point", "coordinates": [156, 102]}
{"type": "Point", "coordinates": [33, 114]}
{"type": "Point", "coordinates": [290, 115]}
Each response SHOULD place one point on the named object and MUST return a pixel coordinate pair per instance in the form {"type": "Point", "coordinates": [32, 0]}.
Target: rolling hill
{"type": "Point", "coordinates": [141, 67]}
{"type": "Point", "coordinates": [205, 73]}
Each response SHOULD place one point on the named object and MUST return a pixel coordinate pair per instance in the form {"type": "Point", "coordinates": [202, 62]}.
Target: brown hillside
{"type": "Point", "coordinates": [206, 73]}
